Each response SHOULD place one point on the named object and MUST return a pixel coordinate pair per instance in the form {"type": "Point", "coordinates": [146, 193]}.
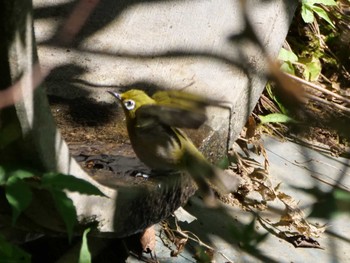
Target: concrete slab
{"type": "Point", "coordinates": [199, 46]}
{"type": "Point", "coordinates": [296, 167]}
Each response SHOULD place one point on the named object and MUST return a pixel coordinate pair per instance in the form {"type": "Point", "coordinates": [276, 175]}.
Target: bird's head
{"type": "Point", "coordinates": [131, 100]}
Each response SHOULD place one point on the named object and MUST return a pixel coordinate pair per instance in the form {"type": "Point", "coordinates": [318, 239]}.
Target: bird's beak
{"type": "Point", "coordinates": [115, 94]}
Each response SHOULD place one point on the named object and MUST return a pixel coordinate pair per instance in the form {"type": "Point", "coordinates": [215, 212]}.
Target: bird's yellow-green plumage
{"type": "Point", "coordinates": [153, 126]}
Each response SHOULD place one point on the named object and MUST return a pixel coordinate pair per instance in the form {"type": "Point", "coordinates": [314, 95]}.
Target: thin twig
{"type": "Point", "coordinates": [186, 234]}
{"type": "Point", "coordinates": [340, 107]}
{"type": "Point", "coordinates": [323, 90]}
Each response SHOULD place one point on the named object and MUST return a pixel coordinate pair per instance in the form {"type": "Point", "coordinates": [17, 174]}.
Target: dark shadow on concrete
{"type": "Point", "coordinates": [218, 222]}
{"type": "Point", "coordinates": [86, 112]}
{"type": "Point", "coordinates": [66, 77]}
{"type": "Point", "coordinates": [105, 12]}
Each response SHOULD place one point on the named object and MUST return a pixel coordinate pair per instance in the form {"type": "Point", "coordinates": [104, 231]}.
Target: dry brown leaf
{"type": "Point", "coordinates": [255, 179]}
{"type": "Point", "coordinates": [260, 149]}
{"type": "Point", "coordinates": [177, 238]}
{"type": "Point", "coordinates": [148, 240]}
{"type": "Point", "coordinates": [180, 245]}
{"type": "Point", "coordinates": [243, 144]}
{"type": "Point", "coordinates": [263, 184]}
{"type": "Point", "coordinates": [251, 127]}
{"type": "Point", "coordinates": [300, 240]}
{"type": "Point", "coordinates": [294, 217]}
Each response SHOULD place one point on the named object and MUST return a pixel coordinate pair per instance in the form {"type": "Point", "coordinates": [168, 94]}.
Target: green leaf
{"type": "Point", "coordinates": [342, 201]}
{"type": "Point", "coordinates": [312, 69]}
{"type": "Point", "coordinates": [60, 181]}
{"type": "Point", "coordinates": [275, 99]}
{"type": "Point", "coordinates": [342, 195]}
{"type": "Point", "coordinates": [288, 68]}
{"type": "Point", "coordinates": [2, 175]}
{"type": "Point", "coordinates": [11, 253]}
{"type": "Point", "coordinates": [287, 55]}
{"type": "Point", "coordinates": [9, 133]}
{"type": "Point", "coordinates": [248, 236]}
{"type": "Point", "coordinates": [21, 174]}
{"type": "Point", "coordinates": [6, 248]}
{"type": "Point", "coordinates": [66, 209]}
{"type": "Point", "coordinates": [323, 2]}
{"type": "Point", "coordinates": [322, 13]}
{"type": "Point", "coordinates": [307, 14]}
{"type": "Point", "coordinates": [327, 2]}
{"type": "Point", "coordinates": [202, 255]}
{"type": "Point", "coordinates": [223, 163]}
{"type": "Point", "coordinates": [19, 196]}
{"type": "Point", "coordinates": [276, 117]}
{"type": "Point", "coordinates": [269, 90]}
{"type": "Point", "coordinates": [85, 256]}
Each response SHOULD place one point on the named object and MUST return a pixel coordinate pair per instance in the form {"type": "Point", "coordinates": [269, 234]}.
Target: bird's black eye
{"type": "Point", "coordinates": [129, 104]}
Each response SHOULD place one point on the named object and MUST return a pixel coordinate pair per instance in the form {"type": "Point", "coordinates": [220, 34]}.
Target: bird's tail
{"type": "Point", "coordinates": [207, 176]}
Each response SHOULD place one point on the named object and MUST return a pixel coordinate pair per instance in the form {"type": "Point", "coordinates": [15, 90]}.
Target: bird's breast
{"type": "Point", "coordinates": [158, 147]}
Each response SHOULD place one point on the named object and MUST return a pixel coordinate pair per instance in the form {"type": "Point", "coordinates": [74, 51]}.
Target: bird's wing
{"type": "Point", "coordinates": [185, 99]}
{"type": "Point", "coordinates": [176, 109]}
{"type": "Point", "coordinates": [153, 114]}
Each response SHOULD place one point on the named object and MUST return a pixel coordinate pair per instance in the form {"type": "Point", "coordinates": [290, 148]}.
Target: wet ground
{"type": "Point", "coordinates": [97, 138]}
{"type": "Point", "coordinates": [91, 124]}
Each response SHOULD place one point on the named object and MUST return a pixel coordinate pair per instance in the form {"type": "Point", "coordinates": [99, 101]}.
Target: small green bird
{"type": "Point", "coordinates": [153, 126]}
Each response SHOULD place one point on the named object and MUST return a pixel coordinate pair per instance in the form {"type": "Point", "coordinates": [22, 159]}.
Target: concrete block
{"type": "Point", "coordinates": [198, 46]}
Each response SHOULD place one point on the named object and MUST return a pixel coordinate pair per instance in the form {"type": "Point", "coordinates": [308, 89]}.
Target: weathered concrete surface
{"type": "Point", "coordinates": [199, 46]}
{"type": "Point", "coordinates": [296, 168]}
{"type": "Point", "coordinates": [171, 44]}
{"type": "Point", "coordinates": [40, 146]}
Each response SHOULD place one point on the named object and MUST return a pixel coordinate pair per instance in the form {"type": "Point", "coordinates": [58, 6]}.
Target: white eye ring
{"type": "Point", "coordinates": [129, 104]}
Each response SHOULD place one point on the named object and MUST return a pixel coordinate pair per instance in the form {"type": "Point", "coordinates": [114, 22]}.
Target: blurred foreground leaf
{"type": "Point", "coordinates": [85, 256]}
{"type": "Point", "coordinates": [10, 253]}
{"type": "Point", "coordinates": [19, 196]}
{"type": "Point", "coordinates": [66, 209]}
{"type": "Point", "coordinates": [248, 237]}
{"type": "Point", "coordinates": [60, 181]}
